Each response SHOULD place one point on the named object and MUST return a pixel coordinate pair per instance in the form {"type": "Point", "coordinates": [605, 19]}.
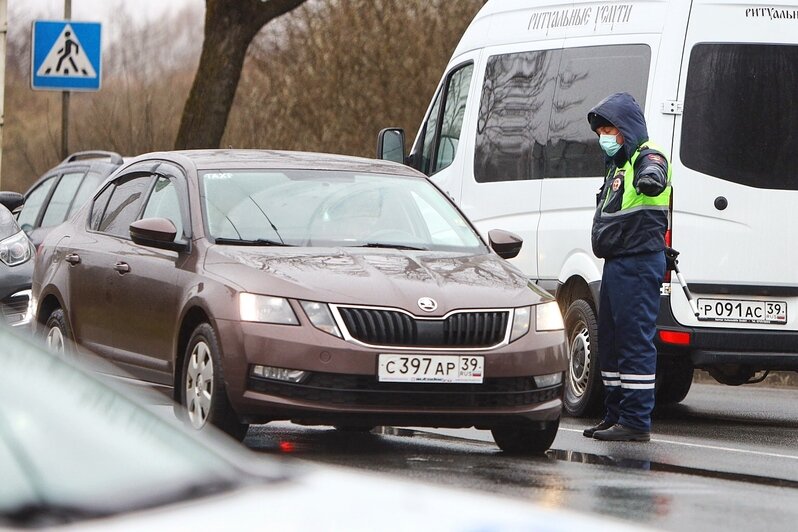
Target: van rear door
{"type": "Point", "coordinates": [735, 177]}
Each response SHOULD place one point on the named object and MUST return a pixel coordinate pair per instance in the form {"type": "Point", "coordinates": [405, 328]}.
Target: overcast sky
{"type": "Point", "coordinates": [140, 11]}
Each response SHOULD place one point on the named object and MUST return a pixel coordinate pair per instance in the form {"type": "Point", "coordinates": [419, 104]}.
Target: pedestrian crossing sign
{"type": "Point", "coordinates": [66, 55]}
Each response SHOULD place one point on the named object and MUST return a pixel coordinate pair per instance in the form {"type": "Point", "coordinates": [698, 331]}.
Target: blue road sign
{"type": "Point", "coordinates": [66, 56]}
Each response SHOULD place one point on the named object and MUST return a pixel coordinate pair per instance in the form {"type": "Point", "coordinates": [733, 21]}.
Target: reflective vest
{"type": "Point", "coordinates": [628, 223]}
{"type": "Point", "coordinates": [621, 198]}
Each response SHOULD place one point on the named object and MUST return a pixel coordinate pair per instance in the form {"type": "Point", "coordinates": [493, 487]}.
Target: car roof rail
{"type": "Point", "coordinates": [96, 154]}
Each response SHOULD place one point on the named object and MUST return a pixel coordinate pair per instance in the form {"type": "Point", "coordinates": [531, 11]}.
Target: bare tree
{"type": "Point", "coordinates": [230, 25]}
{"type": "Point", "coordinates": [326, 77]}
{"type": "Point", "coordinates": [339, 70]}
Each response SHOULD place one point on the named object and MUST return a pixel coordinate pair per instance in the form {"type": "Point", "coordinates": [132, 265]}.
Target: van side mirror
{"type": "Point", "coordinates": [506, 244]}
{"type": "Point", "coordinates": [156, 233]}
{"type": "Point", "coordinates": [12, 201]}
{"type": "Point", "coordinates": [391, 145]}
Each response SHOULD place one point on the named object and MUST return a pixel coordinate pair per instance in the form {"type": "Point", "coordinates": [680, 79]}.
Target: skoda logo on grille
{"type": "Point", "coordinates": [427, 304]}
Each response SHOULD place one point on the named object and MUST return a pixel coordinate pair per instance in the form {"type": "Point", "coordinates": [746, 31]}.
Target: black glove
{"type": "Point", "coordinates": [648, 185]}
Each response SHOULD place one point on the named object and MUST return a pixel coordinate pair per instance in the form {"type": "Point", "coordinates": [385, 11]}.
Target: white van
{"type": "Point", "coordinates": [506, 136]}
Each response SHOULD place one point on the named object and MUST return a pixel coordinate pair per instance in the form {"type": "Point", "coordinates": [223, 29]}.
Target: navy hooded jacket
{"type": "Point", "coordinates": [640, 231]}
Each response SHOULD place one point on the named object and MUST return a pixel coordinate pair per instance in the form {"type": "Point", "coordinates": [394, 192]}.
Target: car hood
{"type": "Point", "coordinates": [384, 277]}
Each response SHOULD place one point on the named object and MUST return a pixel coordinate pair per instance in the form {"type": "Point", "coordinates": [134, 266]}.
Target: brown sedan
{"type": "Point", "coordinates": [260, 286]}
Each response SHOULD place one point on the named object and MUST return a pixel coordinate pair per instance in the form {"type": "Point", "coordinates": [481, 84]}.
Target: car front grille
{"type": "Point", "coordinates": [14, 308]}
{"type": "Point", "coordinates": [364, 390]}
{"type": "Point", "coordinates": [395, 328]}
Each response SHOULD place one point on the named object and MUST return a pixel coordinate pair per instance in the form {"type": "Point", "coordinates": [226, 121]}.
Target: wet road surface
{"type": "Point", "coordinates": [725, 459]}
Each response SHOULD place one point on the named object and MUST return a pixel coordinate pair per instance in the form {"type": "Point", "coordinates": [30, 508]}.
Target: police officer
{"type": "Point", "coordinates": [629, 234]}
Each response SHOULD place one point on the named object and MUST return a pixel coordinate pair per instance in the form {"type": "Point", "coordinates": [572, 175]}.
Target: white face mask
{"type": "Point", "coordinates": [609, 144]}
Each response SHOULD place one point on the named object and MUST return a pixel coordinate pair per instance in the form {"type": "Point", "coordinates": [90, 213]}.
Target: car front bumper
{"type": "Point", "coordinates": [342, 385]}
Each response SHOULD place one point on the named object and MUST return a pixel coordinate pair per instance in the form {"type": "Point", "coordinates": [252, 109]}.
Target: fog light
{"type": "Point", "coordinates": [279, 374]}
{"type": "Point", "coordinates": [544, 381]}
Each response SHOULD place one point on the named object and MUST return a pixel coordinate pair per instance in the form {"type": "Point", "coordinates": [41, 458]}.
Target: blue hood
{"type": "Point", "coordinates": [623, 112]}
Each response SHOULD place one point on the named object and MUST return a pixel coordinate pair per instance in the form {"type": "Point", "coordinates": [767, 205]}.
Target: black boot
{"type": "Point", "coordinates": [604, 425]}
{"type": "Point", "coordinates": [621, 433]}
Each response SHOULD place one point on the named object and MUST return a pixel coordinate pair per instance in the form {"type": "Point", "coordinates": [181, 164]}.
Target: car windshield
{"type": "Point", "coordinates": [72, 448]}
{"type": "Point", "coordinates": [331, 208]}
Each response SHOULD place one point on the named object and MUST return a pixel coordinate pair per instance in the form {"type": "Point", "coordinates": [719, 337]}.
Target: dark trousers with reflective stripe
{"type": "Point", "coordinates": [628, 307]}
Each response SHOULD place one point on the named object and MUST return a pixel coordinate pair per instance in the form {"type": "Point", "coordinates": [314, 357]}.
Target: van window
{"type": "Point", "coordinates": [440, 143]}
{"type": "Point", "coordinates": [533, 113]}
{"type": "Point", "coordinates": [514, 113]}
{"type": "Point", "coordinates": [740, 118]}
{"type": "Point", "coordinates": [586, 76]}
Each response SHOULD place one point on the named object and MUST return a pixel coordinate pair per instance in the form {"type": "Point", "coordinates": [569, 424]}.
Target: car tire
{"type": "Point", "coordinates": [583, 389]}
{"type": "Point", "coordinates": [202, 387]}
{"type": "Point", "coordinates": [674, 378]}
{"type": "Point", "coordinates": [56, 334]}
{"type": "Point", "coordinates": [526, 437]}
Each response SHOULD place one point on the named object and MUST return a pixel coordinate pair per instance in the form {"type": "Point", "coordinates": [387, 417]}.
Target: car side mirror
{"type": "Point", "coordinates": [156, 233]}
{"type": "Point", "coordinates": [391, 145]}
{"type": "Point", "coordinates": [506, 244]}
{"type": "Point", "coordinates": [13, 201]}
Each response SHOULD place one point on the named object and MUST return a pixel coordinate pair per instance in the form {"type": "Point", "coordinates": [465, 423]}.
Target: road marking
{"type": "Point", "coordinates": [713, 447]}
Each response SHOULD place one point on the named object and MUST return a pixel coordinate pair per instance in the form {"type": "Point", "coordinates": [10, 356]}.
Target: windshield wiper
{"type": "Point", "coordinates": [245, 242]}
{"type": "Point", "coordinates": [391, 246]}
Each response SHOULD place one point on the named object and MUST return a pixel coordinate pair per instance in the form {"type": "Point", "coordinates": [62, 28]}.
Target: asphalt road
{"type": "Point", "coordinates": [725, 459]}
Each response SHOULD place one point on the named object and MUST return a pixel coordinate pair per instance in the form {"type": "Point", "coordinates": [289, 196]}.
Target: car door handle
{"type": "Point", "coordinates": [73, 259]}
{"type": "Point", "coordinates": [122, 267]}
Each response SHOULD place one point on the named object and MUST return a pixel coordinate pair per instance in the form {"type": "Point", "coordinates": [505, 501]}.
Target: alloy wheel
{"type": "Point", "coordinates": [199, 384]}
{"type": "Point", "coordinates": [55, 341]}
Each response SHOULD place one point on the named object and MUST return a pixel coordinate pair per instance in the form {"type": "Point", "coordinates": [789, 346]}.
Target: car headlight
{"type": "Point", "coordinates": [266, 309]}
{"type": "Point", "coordinates": [15, 249]}
{"type": "Point", "coordinates": [520, 323]}
{"type": "Point", "coordinates": [320, 316]}
{"type": "Point", "coordinates": [548, 317]}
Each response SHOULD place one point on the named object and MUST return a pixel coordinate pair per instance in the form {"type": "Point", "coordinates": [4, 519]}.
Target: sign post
{"type": "Point", "coordinates": [66, 56]}
{"type": "Point", "coordinates": [3, 37]}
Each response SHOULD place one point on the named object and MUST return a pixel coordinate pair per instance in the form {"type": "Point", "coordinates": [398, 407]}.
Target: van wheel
{"type": "Point", "coordinates": [56, 334]}
{"type": "Point", "coordinates": [202, 390]}
{"type": "Point", "coordinates": [583, 389]}
{"type": "Point", "coordinates": [674, 378]}
{"type": "Point", "coordinates": [525, 436]}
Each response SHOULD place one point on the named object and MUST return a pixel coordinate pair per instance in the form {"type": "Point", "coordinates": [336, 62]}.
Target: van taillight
{"type": "Point", "coordinates": [668, 241]}
{"type": "Point", "coordinates": [675, 337]}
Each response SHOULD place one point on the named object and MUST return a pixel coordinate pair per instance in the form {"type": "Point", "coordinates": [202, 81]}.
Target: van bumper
{"type": "Point", "coordinates": [760, 350]}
